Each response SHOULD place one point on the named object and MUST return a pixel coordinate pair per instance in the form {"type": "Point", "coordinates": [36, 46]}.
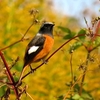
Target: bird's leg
{"type": "Point", "coordinates": [32, 70]}
{"type": "Point", "coordinates": [44, 61]}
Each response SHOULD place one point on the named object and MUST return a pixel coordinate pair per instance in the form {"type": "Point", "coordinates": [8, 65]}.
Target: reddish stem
{"type": "Point", "coordinates": [11, 79]}
{"type": "Point", "coordinates": [96, 30]}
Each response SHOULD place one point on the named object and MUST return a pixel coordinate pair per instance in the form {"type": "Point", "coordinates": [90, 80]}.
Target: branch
{"type": "Point", "coordinates": [23, 37]}
{"type": "Point", "coordinates": [13, 44]}
{"type": "Point", "coordinates": [9, 75]}
{"type": "Point", "coordinates": [72, 75]}
{"type": "Point", "coordinates": [67, 94]}
{"type": "Point", "coordinates": [83, 77]}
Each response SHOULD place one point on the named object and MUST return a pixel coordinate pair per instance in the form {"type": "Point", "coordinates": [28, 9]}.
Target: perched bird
{"type": "Point", "coordinates": [40, 46]}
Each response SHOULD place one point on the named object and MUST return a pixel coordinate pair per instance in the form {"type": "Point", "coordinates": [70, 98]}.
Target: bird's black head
{"type": "Point", "coordinates": [46, 28]}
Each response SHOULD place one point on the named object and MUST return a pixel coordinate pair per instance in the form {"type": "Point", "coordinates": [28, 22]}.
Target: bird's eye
{"type": "Point", "coordinates": [46, 26]}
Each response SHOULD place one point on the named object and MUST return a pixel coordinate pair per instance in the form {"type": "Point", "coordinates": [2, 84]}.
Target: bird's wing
{"type": "Point", "coordinates": [33, 48]}
{"type": "Point", "coordinates": [37, 41]}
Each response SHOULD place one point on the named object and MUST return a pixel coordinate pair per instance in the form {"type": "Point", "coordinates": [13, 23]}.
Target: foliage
{"type": "Point", "coordinates": [86, 38]}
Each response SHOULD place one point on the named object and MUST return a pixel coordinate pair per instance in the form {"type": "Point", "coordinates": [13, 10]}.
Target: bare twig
{"type": "Point", "coordinates": [83, 77]}
{"type": "Point", "coordinates": [28, 29]}
{"type": "Point", "coordinates": [29, 96]}
{"type": "Point", "coordinates": [95, 47]}
{"type": "Point", "coordinates": [72, 76]}
{"type": "Point", "coordinates": [73, 86]}
{"type": "Point", "coordinates": [14, 63]}
{"type": "Point", "coordinates": [22, 38]}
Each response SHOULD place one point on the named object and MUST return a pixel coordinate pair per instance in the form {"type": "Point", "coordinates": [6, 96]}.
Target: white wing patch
{"type": "Point", "coordinates": [38, 34]}
{"type": "Point", "coordinates": [32, 49]}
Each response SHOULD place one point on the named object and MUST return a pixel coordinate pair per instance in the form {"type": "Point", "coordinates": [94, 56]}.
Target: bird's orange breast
{"type": "Point", "coordinates": [48, 44]}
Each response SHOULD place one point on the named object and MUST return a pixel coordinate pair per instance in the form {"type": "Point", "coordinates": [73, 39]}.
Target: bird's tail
{"type": "Point", "coordinates": [21, 75]}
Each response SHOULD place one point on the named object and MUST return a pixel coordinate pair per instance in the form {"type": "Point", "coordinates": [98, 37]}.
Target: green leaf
{"type": "Point", "coordinates": [67, 37]}
{"type": "Point", "coordinates": [60, 97]}
{"type": "Point", "coordinates": [75, 46]}
{"type": "Point", "coordinates": [76, 88]}
{"type": "Point", "coordinates": [87, 96]}
{"type": "Point", "coordinates": [82, 31]}
{"type": "Point", "coordinates": [2, 90]}
{"type": "Point", "coordinates": [69, 34]}
{"type": "Point", "coordinates": [64, 29]}
{"type": "Point", "coordinates": [76, 96]}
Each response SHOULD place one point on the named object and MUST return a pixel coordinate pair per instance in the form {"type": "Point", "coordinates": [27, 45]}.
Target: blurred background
{"type": "Point", "coordinates": [49, 81]}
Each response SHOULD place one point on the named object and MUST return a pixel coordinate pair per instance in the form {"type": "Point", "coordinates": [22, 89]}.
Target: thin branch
{"type": "Point", "coordinates": [94, 48]}
{"type": "Point", "coordinates": [96, 31]}
{"type": "Point", "coordinates": [22, 38]}
{"type": "Point", "coordinates": [14, 63]}
{"type": "Point", "coordinates": [29, 96]}
{"type": "Point", "coordinates": [72, 76]}
{"type": "Point", "coordinates": [13, 44]}
{"type": "Point", "coordinates": [73, 85]}
{"type": "Point", "coordinates": [83, 78]}
{"type": "Point", "coordinates": [28, 29]}
{"type": "Point", "coordinates": [78, 79]}
{"type": "Point", "coordinates": [1, 81]}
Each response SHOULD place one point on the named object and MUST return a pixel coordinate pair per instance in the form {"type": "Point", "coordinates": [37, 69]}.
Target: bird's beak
{"type": "Point", "coordinates": [53, 24]}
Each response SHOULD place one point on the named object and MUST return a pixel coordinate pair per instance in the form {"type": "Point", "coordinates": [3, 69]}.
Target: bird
{"type": "Point", "coordinates": [40, 46]}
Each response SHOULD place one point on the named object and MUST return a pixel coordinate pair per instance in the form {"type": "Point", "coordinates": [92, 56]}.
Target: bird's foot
{"type": "Point", "coordinates": [44, 61]}
{"type": "Point", "coordinates": [32, 70]}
